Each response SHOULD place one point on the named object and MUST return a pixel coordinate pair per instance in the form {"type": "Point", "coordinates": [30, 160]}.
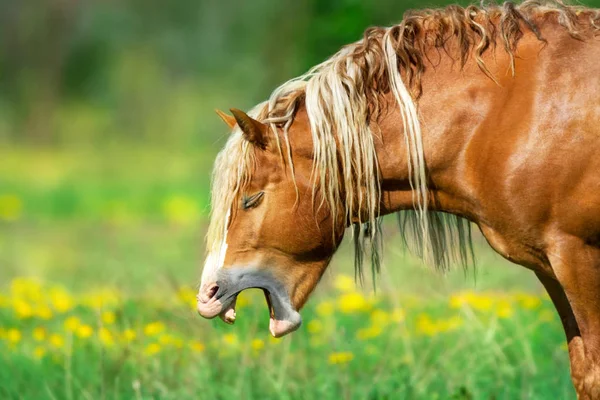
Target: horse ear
{"type": "Point", "coordinates": [254, 131]}
{"type": "Point", "coordinates": [228, 119]}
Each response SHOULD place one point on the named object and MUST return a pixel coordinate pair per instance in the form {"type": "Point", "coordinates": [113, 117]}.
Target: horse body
{"type": "Point", "coordinates": [508, 139]}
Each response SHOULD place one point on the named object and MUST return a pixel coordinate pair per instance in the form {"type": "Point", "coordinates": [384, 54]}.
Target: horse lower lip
{"type": "Point", "coordinates": [210, 309]}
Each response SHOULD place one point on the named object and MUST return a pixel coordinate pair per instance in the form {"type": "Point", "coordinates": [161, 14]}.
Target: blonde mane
{"type": "Point", "coordinates": [343, 96]}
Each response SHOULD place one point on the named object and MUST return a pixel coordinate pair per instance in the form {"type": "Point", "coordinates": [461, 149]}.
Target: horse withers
{"type": "Point", "coordinates": [482, 114]}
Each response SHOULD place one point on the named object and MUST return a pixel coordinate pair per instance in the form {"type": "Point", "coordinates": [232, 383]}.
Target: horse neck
{"type": "Point", "coordinates": [455, 107]}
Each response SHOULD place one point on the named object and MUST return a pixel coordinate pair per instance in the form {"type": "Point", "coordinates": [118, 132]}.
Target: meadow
{"type": "Point", "coordinates": [100, 255]}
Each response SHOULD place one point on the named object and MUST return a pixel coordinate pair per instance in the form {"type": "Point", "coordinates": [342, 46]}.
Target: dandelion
{"type": "Point", "coordinates": [39, 334]}
{"type": "Point", "coordinates": [108, 317]}
{"type": "Point", "coordinates": [426, 326]}
{"type": "Point", "coordinates": [61, 300]}
{"type": "Point", "coordinates": [380, 318]}
{"type": "Point", "coordinates": [10, 207]}
{"type": "Point", "coordinates": [340, 357]}
{"type": "Point", "coordinates": [257, 344]}
{"type": "Point", "coordinates": [152, 349]}
{"type": "Point", "coordinates": [129, 335]}
{"type": "Point", "coordinates": [353, 302]}
{"type": "Point", "coordinates": [165, 339]}
{"type": "Point", "coordinates": [344, 283]}
{"type": "Point", "coordinates": [39, 352]}
{"type": "Point", "coordinates": [106, 338]}
{"type": "Point", "coordinates": [369, 333]}
{"type": "Point", "coordinates": [154, 328]}
{"type": "Point", "coordinates": [529, 302]}
{"type": "Point", "coordinates": [13, 336]}
{"type": "Point", "coordinates": [325, 309]}
{"type": "Point", "coordinates": [102, 298]}
{"type": "Point", "coordinates": [72, 323]}
{"type": "Point", "coordinates": [197, 346]}
{"type": "Point", "coordinates": [481, 303]}
{"type": "Point", "coordinates": [504, 310]}
{"type": "Point", "coordinates": [22, 309]}
{"type": "Point", "coordinates": [43, 312]}
{"type": "Point", "coordinates": [398, 315]}
{"type": "Point", "coordinates": [230, 339]}
{"type": "Point", "coordinates": [84, 331]}
{"type": "Point", "coordinates": [56, 341]}
{"type": "Point", "coordinates": [187, 296]}
{"type": "Point", "coordinates": [315, 326]}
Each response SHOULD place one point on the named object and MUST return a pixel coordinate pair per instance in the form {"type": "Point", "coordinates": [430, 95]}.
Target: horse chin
{"type": "Point", "coordinates": [281, 327]}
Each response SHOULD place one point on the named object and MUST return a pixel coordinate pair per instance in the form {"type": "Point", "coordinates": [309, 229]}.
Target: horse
{"type": "Point", "coordinates": [487, 115]}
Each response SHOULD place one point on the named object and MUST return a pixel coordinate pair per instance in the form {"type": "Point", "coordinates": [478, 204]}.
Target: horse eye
{"type": "Point", "coordinates": [252, 201]}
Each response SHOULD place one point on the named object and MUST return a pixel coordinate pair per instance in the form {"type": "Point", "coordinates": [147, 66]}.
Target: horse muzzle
{"type": "Point", "coordinates": [219, 298]}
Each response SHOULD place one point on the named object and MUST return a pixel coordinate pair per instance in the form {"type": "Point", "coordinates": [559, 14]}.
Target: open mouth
{"type": "Point", "coordinates": [221, 299]}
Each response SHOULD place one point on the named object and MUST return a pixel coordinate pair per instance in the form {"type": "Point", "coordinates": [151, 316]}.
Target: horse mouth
{"type": "Point", "coordinates": [283, 318]}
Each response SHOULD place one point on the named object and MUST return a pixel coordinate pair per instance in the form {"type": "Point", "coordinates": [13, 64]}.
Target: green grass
{"type": "Point", "coordinates": [86, 233]}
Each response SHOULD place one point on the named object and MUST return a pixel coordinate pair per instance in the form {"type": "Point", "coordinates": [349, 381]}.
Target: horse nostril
{"type": "Point", "coordinates": [212, 291]}
{"type": "Point", "coordinates": [209, 293]}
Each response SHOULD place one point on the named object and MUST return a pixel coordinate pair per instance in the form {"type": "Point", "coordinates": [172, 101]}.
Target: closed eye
{"type": "Point", "coordinates": [252, 201]}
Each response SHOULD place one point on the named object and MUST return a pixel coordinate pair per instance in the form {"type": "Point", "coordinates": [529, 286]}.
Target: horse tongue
{"type": "Point", "coordinates": [228, 314]}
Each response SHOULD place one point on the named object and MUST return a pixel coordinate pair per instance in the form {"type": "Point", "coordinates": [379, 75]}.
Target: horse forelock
{"type": "Point", "coordinates": [344, 94]}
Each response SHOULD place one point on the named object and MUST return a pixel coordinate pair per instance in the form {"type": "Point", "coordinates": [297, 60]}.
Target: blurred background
{"type": "Point", "coordinates": [107, 138]}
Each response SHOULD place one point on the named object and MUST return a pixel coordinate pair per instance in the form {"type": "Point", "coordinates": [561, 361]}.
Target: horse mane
{"type": "Point", "coordinates": [345, 94]}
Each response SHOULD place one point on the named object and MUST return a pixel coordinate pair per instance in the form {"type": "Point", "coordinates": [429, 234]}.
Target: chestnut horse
{"type": "Point", "coordinates": [481, 114]}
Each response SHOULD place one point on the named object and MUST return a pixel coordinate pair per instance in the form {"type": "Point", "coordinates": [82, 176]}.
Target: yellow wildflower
{"type": "Point", "coordinates": [154, 328]}
{"type": "Point", "coordinates": [187, 296]}
{"type": "Point", "coordinates": [230, 339]}
{"type": "Point", "coordinates": [325, 308]}
{"type": "Point", "coordinates": [257, 344]}
{"type": "Point", "coordinates": [39, 334]}
{"type": "Point", "coordinates": [426, 326]}
{"type": "Point", "coordinates": [108, 317]}
{"type": "Point", "coordinates": [10, 207]}
{"type": "Point", "coordinates": [166, 339]}
{"type": "Point", "coordinates": [340, 357]}
{"type": "Point", "coordinates": [152, 348]}
{"type": "Point", "coordinates": [504, 310]}
{"type": "Point", "coordinates": [56, 341]}
{"type": "Point", "coordinates": [481, 302]}
{"type": "Point", "coordinates": [13, 335]}
{"type": "Point", "coordinates": [315, 326]}
{"type": "Point", "coordinates": [102, 298]}
{"type": "Point", "coordinates": [398, 315]}
{"type": "Point", "coordinates": [129, 335]}
{"type": "Point", "coordinates": [369, 333]}
{"type": "Point", "coordinates": [84, 331]}
{"type": "Point", "coordinates": [72, 323]}
{"type": "Point", "coordinates": [43, 312]}
{"type": "Point", "coordinates": [105, 337]}
{"type": "Point", "coordinates": [344, 283]}
{"type": "Point", "coordinates": [197, 346]}
{"type": "Point", "coordinates": [39, 352]}
{"type": "Point", "coordinates": [380, 318]}
{"type": "Point", "coordinates": [353, 302]}
{"type": "Point", "coordinates": [22, 309]}
{"type": "Point", "coordinates": [61, 300]}
{"type": "Point", "coordinates": [529, 302]}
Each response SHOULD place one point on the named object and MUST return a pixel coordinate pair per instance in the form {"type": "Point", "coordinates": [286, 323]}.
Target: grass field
{"type": "Point", "coordinates": [100, 255]}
